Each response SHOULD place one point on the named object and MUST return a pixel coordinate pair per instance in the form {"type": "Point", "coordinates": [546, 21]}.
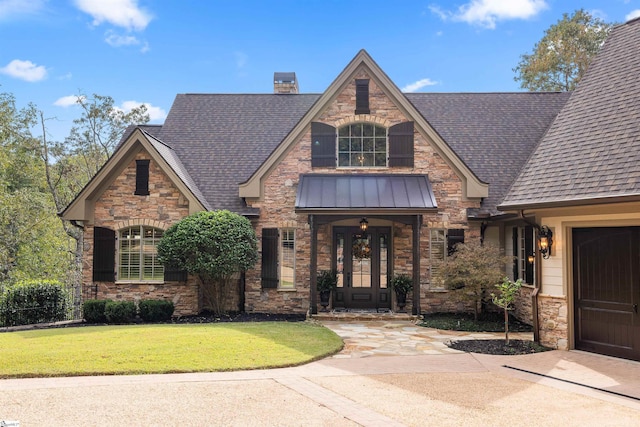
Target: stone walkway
{"type": "Point", "coordinates": [401, 338]}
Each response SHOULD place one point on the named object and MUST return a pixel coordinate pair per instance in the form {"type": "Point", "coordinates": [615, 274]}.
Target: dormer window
{"type": "Point", "coordinates": [362, 145]}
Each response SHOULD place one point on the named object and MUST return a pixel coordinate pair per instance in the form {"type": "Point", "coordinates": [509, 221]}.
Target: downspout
{"type": "Point", "coordinates": [536, 284]}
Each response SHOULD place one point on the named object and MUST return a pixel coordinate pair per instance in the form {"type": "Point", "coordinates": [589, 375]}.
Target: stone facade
{"type": "Point", "coordinates": [280, 187]}
{"type": "Point", "coordinates": [118, 208]}
{"type": "Point", "coordinates": [553, 320]}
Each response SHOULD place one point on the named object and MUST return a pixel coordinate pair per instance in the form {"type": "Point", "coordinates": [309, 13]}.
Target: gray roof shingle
{"type": "Point", "coordinates": [493, 133]}
{"type": "Point", "coordinates": [223, 139]}
{"type": "Point", "coordinates": [592, 150]}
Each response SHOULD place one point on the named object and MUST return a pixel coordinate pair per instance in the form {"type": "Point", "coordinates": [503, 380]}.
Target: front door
{"type": "Point", "coordinates": [362, 262]}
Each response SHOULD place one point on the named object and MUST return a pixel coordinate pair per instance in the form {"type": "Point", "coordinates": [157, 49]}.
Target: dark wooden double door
{"type": "Point", "coordinates": [362, 261]}
{"type": "Point", "coordinates": [606, 275]}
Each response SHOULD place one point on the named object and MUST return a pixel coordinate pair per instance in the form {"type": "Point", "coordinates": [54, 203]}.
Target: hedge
{"type": "Point", "coordinates": [33, 301]}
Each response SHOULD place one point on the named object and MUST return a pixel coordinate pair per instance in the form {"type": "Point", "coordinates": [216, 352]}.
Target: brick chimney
{"type": "Point", "coordinates": [285, 83]}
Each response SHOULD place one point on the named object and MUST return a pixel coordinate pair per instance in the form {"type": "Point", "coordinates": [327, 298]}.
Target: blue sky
{"type": "Point", "coordinates": [147, 51]}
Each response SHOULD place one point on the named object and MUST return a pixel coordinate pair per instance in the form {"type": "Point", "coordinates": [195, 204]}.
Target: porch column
{"type": "Point", "coordinates": [313, 266]}
{"type": "Point", "coordinates": [417, 220]}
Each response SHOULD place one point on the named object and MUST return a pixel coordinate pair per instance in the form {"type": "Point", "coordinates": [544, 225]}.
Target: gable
{"type": "Point", "coordinates": [361, 67]}
{"type": "Point", "coordinates": [83, 206]}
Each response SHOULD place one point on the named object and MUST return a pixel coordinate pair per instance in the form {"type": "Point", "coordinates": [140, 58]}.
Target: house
{"type": "Point", "coordinates": [373, 182]}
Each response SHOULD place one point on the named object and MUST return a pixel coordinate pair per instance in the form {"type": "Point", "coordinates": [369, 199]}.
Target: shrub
{"type": "Point", "coordinates": [156, 310]}
{"type": "Point", "coordinates": [93, 311]}
{"type": "Point", "coordinates": [120, 311]}
{"type": "Point", "coordinates": [34, 301]}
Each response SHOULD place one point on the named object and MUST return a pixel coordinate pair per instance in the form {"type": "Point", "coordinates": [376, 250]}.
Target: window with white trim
{"type": "Point", "coordinates": [287, 259]}
{"type": "Point", "coordinates": [138, 254]}
{"type": "Point", "coordinates": [362, 145]}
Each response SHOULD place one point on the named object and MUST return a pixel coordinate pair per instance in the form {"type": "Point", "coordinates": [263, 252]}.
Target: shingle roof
{"type": "Point", "coordinates": [223, 139]}
{"type": "Point", "coordinates": [172, 159]}
{"type": "Point", "coordinates": [493, 133]}
{"type": "Point", "coordinates": [592, 150]}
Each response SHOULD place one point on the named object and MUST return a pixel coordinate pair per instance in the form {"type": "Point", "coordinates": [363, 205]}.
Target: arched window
{"type": "Point", "coordinates": [362, 145]}
{"type": "Point", "coordinates": [137, 254]}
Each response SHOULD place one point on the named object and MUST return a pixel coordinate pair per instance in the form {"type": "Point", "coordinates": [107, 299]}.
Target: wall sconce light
{"type": "Point", "coordinates": [364, 224]}
{"type": "Point", "coordinates": [531, 258]}
{"type": "Point", "coordinates": [545, 237]}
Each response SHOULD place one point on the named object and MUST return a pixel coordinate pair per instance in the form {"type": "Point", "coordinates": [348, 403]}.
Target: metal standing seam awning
{"type": "Point", "coordinates": [365, 193]}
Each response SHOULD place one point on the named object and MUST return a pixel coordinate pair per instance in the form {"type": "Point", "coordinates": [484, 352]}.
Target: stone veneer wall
{"type": "Point", "coordinates": [280, 186]}
{"type": "Point", "coordinates": [553, 320]}
{"type": "Point", "coordinates": [117, 208]}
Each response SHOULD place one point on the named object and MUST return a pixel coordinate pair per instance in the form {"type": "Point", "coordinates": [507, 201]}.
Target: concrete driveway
{"type": "Point", "coordinates": [351, 388]}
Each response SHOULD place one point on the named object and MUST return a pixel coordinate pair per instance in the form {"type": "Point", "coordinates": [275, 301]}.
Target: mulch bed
{"type": "Point", "coordinates": [497, 347]}
{"type": "Point", "coordinates": [240, 317]}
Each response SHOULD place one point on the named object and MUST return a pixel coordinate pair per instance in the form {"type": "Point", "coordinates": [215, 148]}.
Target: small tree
{"type": "Point", "coordinates": [213, 246]}
{"type": "Point", "coordinates": [471, 270]}
{"type": "Point", "coordinates": [505, 299]}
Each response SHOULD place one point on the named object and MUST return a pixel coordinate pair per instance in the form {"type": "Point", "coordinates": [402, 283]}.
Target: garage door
{"type": "Point", "coordinates": [606, 272]}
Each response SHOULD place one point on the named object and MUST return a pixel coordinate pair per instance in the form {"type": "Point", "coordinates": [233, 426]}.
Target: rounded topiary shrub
{"type": "Point", "coordinates": [93, 311]}
{"type": "Point", "coordinates": [156, 310]}
{"type": "Point", "coordinates": [120, 311]}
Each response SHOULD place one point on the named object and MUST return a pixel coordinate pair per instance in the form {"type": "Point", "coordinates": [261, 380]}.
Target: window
{"type": "Point", "coordinates": [362, 145]}
{"type": "Point", "coordinates": [442, 244]}
{"type": "Point", "coordinates": [142, 178]}
{"type": "Point", "coordinates": [287, 259]}
{"type": "Point", "coordinates": [137, 255]}
{"type": "Point", "coordinates": [523, 246]}
{"type": "Point", "coordinates": [278, 258]}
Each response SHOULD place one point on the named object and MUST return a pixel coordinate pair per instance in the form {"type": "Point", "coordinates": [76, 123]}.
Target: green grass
{"type": "Point", "coordinates": [146, 349]}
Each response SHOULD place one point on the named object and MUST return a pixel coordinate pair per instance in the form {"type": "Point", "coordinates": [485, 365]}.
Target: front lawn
{"type": "Point", "coordinates": [162, 348]}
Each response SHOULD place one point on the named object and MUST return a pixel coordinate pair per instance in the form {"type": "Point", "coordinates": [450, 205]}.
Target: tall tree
{"type": "Point", "coordinates": [32, 242]}
{"type": "Point", "coordinates": [70, 165]}
{"type": "Point", "coordinates": [561, 57]}
{"type": "Point", "coordinates": [96, 133]}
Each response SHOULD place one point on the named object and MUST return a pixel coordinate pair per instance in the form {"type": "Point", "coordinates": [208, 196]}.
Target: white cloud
{"type": "Point", "coordinates": [121, 13]}
{"type": "Point", "coordinates": [116, 40]}
{"type": "Point", "coordinates": [10, 8]}
{"type": "Point", "coordinates": [155, 113]}
{"type": "Point", "coordinates": [632, 15]}
{"type": "Point", "coordinates": [412, 87]}
{"type": "Point", "coordinates": [68, 101]}
{"type": "Point", "coordinates": [25, 70]}
{"type": "Point", "coordinates": [486, 13]}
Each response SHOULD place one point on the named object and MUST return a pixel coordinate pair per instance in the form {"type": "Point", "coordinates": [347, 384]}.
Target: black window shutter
{"type": "Point", "coordinates": [362, 96]}
{"type": "Point", "coordinates": [514, 238]}
{"type": "Point", "coordinates": [323, 145]}
{"type": "Point", "coordinates": [269, 258]}
{"type": "Point", "coordinates": [104, 254]}
{"type": "Point", "coordinates": [401, 145]}
{"type": "Point", "coordinates": [528, 244]}
{"type": "Point", "coordinates": [142, 178]}
{"type": "Point", "coordinates": [174, 274]}
{"type": "Point", "coordinates": [454, 236]}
